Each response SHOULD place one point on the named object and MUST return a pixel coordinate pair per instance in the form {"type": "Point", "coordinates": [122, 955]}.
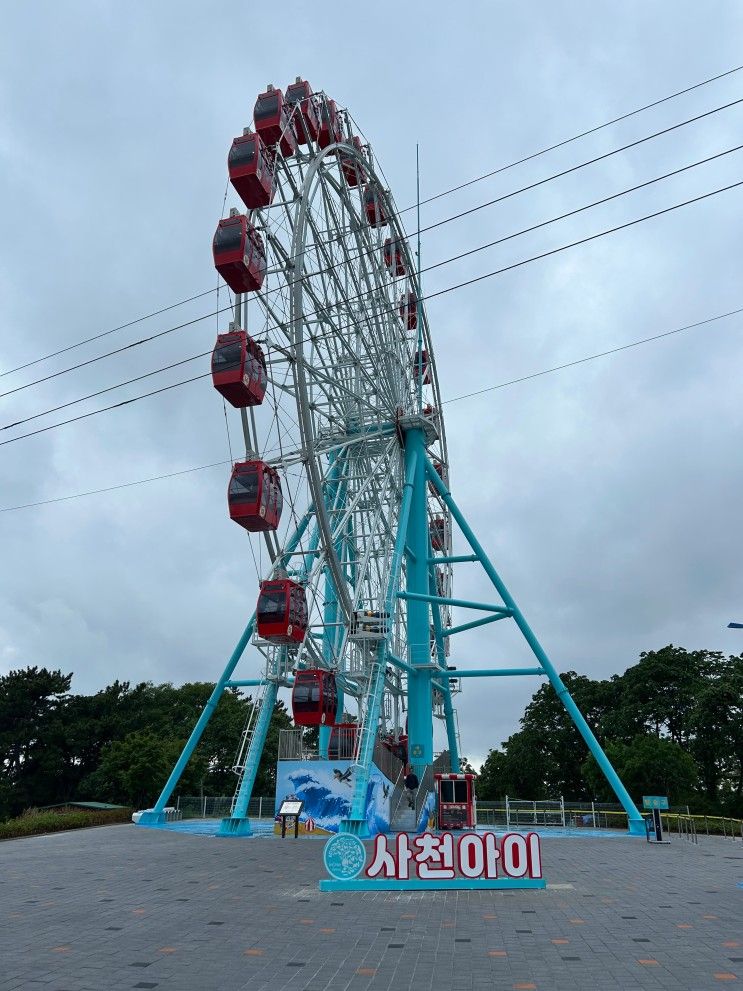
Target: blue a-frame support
{"type": "Point", "coordinates": [511, 609]}
{"type": "Point", "coordinates": [423, 606]}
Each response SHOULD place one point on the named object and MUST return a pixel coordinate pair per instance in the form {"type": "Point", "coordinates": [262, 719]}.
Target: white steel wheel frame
{"type": "Point", "coordinates": [337, 326]}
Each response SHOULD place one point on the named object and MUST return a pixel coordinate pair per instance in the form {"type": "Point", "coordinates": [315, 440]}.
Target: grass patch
{"type": "Point", "coordinates": [33, 823]}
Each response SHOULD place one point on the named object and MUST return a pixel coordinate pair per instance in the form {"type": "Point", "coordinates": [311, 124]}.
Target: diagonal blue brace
{"type": "Point", "coordinates": [635, 820]}
{"type": "Point", "coordinates": [445, 688]}
{"type": "Point", "coordinates": [476, 622]}
{"type": "Point", "coordinates": [157, 815]}
{"type": "Point", "coordinates": [464, 603]}
{"type": "Point", "coordinates": [356, 822]}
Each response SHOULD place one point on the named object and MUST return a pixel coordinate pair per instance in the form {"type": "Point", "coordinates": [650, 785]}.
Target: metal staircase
{"type": "Point", "coordinates": [246, 738]}
{"type": "Point", "coordinates": [404, 820]}
{"type": "Point", "coordinates": [251, 745]}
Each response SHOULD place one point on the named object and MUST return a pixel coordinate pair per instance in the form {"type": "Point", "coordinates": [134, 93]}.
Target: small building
{"type": "Point", "coordinates": [81, 807]}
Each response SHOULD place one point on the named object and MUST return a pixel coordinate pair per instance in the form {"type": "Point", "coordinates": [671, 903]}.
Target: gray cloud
{"type": "Point", "coordinates": [608, 494]}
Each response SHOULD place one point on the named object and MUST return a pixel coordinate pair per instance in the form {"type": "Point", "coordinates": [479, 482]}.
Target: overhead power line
{"type": "Point", "coordinates": [593, 357]}
{"type": "Point", "coordinates": [105, 333]}
{"type": "Point", "coordinates": [113, 488]}
{"type": "Point", "coordinates": [581, 165]}
{"type": "Point", "coordinates": [104, 409]}
{"type": "Point", "coordinates": [447, 192]}
{"type": "Point", "coordinates": [454, 399]}
{"type": "Point", "coordinates": [446, 261]}
{"type": "Point", "coordinates": [102, 392]}
{"type": "Point", "coordinates": [577, 137]}
{"type": "Point", "coordinates": [457, 216]}
{"type": "Point", "coordinates": [109, 354]}
{"type": "Point", "coordinates": [440, 292]}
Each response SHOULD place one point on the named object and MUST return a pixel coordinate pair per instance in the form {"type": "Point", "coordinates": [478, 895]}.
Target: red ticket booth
{"type": "Point", "coordinates": [455, 801]}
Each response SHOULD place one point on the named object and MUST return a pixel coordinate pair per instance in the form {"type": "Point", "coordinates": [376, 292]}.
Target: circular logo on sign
{"type": "Point", "coordinates": [344, 856]}
{"type": "Point", "coordinates": [416, 750]}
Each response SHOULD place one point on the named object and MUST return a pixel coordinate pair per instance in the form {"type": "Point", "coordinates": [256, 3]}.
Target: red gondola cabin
{"type": "Point", "coordinates": [239, 369]}
{"type": "Point", "coordinates": [353, 170]}
{"type": "Point", "coordinates": [342, 743]}
{"type": "Point", "coordinates": [373, 207]}
{"type": "Point", "coordinates": [394, 258]}
{"type": "Point", "coordinates": [239, 255]}
{"type": "Point", "coordinates": [254, 496]}
{"type": "Point", "coordinates": [439, 535]}
{"type": "Point", "coordinates": [420, 364]}
{"type": "Point", "coordinates": [250, 166]}
{"type": "Point", "coordinates": [409, 311]}
{"type": "Point", "coordinates": [443, 474]}
{"type": "Point", "coordinates": [272, 121]}
{"type": "Point", "coordinates": [281, 613]}
{"type": "Point", "coordinates": [330, 124]}
{"type": "Point", "coordinates": [306, 118]}
{"type": "Point", "coordinates": [314, 697]}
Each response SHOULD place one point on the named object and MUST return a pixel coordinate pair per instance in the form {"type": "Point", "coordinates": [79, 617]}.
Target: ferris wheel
{"type": "Point", "coordinates": [343, 487]}
{"type": "Point", "coordinates": [330, 361]}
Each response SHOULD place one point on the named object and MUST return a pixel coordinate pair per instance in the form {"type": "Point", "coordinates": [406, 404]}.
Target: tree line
{"type": "Point", "coordinates": [118, 745]}
{"type": "Point", "coordinates": [671, 724]}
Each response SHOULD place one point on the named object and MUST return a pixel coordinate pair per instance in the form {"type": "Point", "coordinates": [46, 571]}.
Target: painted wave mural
{"type": "Point", "coordinates": [326, 788]}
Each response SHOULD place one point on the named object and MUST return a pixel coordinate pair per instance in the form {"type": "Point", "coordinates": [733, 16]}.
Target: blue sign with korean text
{"type": "Point", "coordinates": [433, 860]}
{"type": "Point", "coordinates": [654, 802]}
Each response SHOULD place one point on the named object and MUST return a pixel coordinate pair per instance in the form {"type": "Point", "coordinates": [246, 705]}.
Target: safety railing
{"type": "Point", "coordinates": [386, 761]}
{"type": "Point", "coordinates": [600, 815]}
{"type": "Point", "coordinates": [686, 828]}
{"type": "Point", "coordinates": [425, 786]}
{"type": "Point", "coordinates": [291, 745]}
{"type": "Point", "coordinates": [398, 793]}
{"type": "Point", "coordinates": [294, 745]}
{"type": "Point", "coordinates": [220, 806]}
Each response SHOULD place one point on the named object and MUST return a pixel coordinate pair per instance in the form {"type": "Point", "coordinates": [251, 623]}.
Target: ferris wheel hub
{"type": "Point", "coordinates": [417, 421]}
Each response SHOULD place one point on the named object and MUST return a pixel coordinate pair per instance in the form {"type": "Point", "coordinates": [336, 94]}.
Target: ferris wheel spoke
{"type": "Point", "coordinates": [341, 293]}
{"type": "Point", "coordinates": [359, 272]}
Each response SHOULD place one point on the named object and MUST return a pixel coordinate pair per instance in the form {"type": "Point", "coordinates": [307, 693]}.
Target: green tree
{"type": "Point", "coordinates": [662, 688]}
{"type": "Point", "coordinates": [716, 721]}
{"type": "Point", "coordinates": [649, 765]}
{"type": "Point", "coordinates": [546, 756]}
{"type": "Point", "coordinates": [29, 701]}
{"type": "Point", "coordinates": [133, 770]}
{"type": "Point", "coordinates": [490, 779]}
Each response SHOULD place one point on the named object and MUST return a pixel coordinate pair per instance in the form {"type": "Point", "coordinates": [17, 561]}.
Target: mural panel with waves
{"type": "Point", "coordinates": [326, 788]}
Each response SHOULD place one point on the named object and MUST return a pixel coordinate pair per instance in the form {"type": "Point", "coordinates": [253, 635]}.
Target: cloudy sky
{"type": "Point", "coordinates": [608, 494]}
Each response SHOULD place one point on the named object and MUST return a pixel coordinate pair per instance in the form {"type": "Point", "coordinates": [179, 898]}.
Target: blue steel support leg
{"type": "Point", "coordinates": [330, 618]}
{"type": "Point", "coordinates": [335, 497]}
{"type": "Point", "coordinates": [238, 823]}
{"type": "Point", "coordinates": [451, 731]}
{"type": "Point", "coordinates": [451, 726]}
{"type": "Point", "coordinates": [356, 823]}
{"type": "Point", "coordinates": [157, 814]}
{"type": "Point", "coordinates": [420, 714]}
{"type": "Point", "coordinates": [635, 820]}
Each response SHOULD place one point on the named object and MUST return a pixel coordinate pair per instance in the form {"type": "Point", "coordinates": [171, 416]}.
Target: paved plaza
{"type": "Point", "coordinates": [129, 907]}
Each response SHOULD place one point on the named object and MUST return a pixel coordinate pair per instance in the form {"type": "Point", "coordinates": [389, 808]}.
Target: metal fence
{"type": "Point", "coordinates": [293, 745]}
{"type": "Point", "coordinates": [511, 813]}
{"type": "Point", "coordinates": [220, 806]}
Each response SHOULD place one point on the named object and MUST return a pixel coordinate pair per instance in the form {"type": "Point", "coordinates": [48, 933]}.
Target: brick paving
{"type": "Point", "coordinates": [126, 907]}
